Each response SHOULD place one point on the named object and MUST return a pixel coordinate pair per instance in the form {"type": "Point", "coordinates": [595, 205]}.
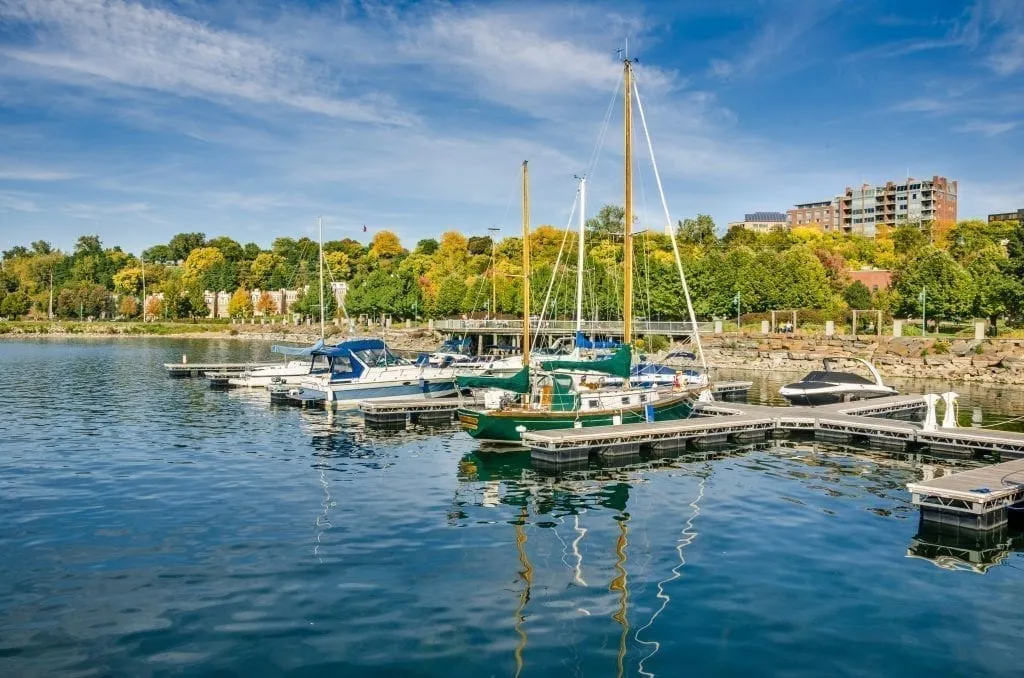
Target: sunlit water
{"type": "Point", "coordinates": [150, 526]}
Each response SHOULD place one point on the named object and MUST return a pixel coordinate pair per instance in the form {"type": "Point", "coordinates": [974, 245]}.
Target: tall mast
{"type": "Point", "coordinates": [494, 269]}
{"type": "Point", "coordinates": [581, 255]}
{"type": "Point", "coordinates": [526, 265]}
{"type": "Point", "coordinates": [627, 236]}
{"type": "Point", "coordinates": [320, 227]}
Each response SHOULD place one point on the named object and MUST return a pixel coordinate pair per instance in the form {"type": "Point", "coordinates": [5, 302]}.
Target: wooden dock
{"type": "Point", "coordinates": [193, 370]}
{"type": "Point", "coordinates": [978, 499]}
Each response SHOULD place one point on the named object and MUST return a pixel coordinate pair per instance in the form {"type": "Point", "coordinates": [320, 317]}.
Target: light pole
{"type": "Point", "coordinates": [923, 298]}
{"type": "Point", "coordinates": [737, 300]}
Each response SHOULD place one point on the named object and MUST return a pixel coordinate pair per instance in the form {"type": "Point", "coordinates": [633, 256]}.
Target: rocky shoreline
{"type": "Point", "coordinates": [995, 361]}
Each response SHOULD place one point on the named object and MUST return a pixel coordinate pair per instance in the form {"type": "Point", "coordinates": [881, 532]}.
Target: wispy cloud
{"type": "Point", "coordinates": [989, 128]}
{"type": "Point", "coordinates": [16, 173]}
{"type": "Point", "coordinates": [130, 44]}
{"type": "Point", "coordinates": [923, 105]}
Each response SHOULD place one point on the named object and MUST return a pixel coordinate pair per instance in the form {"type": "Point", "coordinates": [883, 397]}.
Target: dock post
{"type": "Point", "coordinates": [930, 422]}
{"type": "Point", "coordinates": [949, 418]}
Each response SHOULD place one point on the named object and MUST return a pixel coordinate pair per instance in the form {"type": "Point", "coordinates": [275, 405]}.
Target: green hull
{"type": "Point", "coordinates": [501, 426]}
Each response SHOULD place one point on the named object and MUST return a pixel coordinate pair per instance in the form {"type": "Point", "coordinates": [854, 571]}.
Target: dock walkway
{"type": "Point", "coordinates": [977, 499]}
{"type": "Point", "coordinates": [186, 370]}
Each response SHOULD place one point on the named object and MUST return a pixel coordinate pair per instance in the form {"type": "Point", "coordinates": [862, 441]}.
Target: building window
{"type": "Point", "coordinates": [594, 403]}
{"type": "Point", "coordinates": [625, 399]}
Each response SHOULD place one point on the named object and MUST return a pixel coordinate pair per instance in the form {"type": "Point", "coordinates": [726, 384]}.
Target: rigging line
{"type": "Point", "coordinates": [671, 233]}
{"type": "Point", "coordinates": [687, 536]}
{"type": "Point", "coordinates": [647, 279]}
{"type": "Point", "coordinates": [547, 296]}
{"type": "Point", "coordinates": [595, 155]}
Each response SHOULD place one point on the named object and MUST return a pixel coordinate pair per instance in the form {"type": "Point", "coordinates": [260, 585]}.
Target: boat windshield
{"type": "Point", "coordinates": [379, 357]}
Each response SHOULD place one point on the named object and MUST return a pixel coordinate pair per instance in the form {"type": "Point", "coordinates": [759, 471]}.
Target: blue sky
{"type": "Point", "coordinates": [137, 120]}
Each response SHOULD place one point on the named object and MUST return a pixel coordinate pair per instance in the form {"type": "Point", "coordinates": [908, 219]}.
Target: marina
{"type": "Point", "coordinates": [316, 526]}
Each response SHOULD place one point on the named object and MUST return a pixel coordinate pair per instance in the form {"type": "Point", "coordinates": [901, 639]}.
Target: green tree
{"type": "Point", "coordinates": [449, 296]}
{"type": "Point", "coordinates": [908, 240]}
{"type": "Point", "coordinates": [478, 244]}
{"type": "Point", "coordinates": [609, 220]}
{"type": "Point", "coordinates": [427, 246]}
{"type": "Point", "coordinates": [950, 292]}
{"type": "Point", "coordinates": [83, 300]}
{"type": "Point", "coordinates": [182, 244]}
{"type": "Point", "coordinates": [699, 231]}
{"type": "Point", "coordinates": [308, 302]}
{"type": "Point", "coordinates": [231, 250]}
{"type": "Point", "coordinates": [15, 304]}
{"type": "Point", "coordinates": [857, 295]}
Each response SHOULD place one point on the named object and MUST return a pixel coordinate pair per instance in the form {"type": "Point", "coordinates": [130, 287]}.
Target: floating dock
{"type": "Point", "coordinates": [873, 422]}
{"type": "Point", "coordinates": [192, 370]}
{"type": "Point", "coordinates": [978, 499]}
{"type": "Point", "coordinates": [398, 413]}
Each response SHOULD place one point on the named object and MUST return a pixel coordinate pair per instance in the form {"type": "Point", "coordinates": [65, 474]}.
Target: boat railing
{"type": "Point", "coordinates": [603, 327]}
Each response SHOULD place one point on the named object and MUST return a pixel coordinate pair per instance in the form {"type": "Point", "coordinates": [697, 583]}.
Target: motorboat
{"type": "Point", "coordinates": [365, 369]}
{"type": "Point", "coordinates": [826, 386]}
{"type": "Point", "coordinates": [303, 362]}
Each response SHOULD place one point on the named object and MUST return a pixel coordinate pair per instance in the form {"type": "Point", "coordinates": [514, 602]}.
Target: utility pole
{"type": "Point", "coordinates": [923, 298]}
{"type": "Point", "coordinates": [143, 260]}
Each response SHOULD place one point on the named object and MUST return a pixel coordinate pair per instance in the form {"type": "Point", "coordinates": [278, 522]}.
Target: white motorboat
{"type": "Point", "coordinates": [826, 386]}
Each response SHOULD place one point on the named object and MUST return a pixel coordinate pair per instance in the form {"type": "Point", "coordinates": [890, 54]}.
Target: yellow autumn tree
{"type": "Point", "coordinates": [385, 245]}
{"type": "Point", "coordinates": [240, 304]}
{"type": "Point", "coordinates": [200, 261]}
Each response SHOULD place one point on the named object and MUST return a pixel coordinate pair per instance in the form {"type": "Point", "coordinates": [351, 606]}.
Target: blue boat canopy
{"type": "Point", "coordinates": [298, 351]}
{"type": "Point", "coordinates": [583, 342]}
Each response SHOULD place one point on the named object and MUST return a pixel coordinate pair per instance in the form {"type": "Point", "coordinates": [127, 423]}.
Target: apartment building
{"type": "Point", "coordinates": [762, 222]}
{"type": "Point", "coordinates": [823, 214]}
{"type": "Point", "coordinates": [909, 201]}
{"type": "Point", "coordinates": [1014, 217]}
{"type": "Point", "coordinates": [860, 210]}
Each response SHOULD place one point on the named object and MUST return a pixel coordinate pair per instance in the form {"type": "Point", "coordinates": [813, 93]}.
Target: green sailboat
{"type": "Point", "coordinates": [560, 396]}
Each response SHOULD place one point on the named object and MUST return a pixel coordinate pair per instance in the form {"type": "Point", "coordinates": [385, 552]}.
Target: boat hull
{"type": "Point", "coordinates": [501, 425]}
{"type": "Point", "coordinates": [351, 396]}
{"type": "Point", "coordinates": [815, 397]}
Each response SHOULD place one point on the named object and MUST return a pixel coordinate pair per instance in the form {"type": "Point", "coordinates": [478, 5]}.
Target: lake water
{"type": "Point", "coordinates": [152, 527]}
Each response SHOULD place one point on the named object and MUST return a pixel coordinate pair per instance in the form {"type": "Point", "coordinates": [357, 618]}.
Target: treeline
{"type": "Point", "coordinates": [968, 269]}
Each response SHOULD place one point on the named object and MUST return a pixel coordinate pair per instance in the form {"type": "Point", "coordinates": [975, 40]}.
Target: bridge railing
{"type": "Point", "coordinates": [609, 327]}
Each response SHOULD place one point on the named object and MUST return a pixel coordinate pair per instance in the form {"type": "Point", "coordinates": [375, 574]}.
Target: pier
{"type": "Point", "coordinates": [185, 370]}
{"type": "Point", "coordinates": [872, 422]}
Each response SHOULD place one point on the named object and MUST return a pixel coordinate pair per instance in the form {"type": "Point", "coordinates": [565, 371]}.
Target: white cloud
{"type": "Point", "coordinates": [130, 44]}
{"type": "Point", "coordinates": [989, 128]}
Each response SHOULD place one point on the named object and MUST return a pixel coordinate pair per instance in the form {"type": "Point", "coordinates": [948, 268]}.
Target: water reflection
{"type": "Point", "coordinates": [951, 548]}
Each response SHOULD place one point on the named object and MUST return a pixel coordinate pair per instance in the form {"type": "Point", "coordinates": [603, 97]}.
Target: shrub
{"type": "Point", "coordinates": [941, 347]}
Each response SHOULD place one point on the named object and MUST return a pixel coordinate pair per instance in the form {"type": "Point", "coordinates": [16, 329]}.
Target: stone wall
{"type": "Point", "coordinates": [998, 361]}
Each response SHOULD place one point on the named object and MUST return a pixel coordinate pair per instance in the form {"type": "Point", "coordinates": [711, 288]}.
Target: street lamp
{"type": "Point", "coordinates": [923, 298]}
{"type": "Point", "coordinates": [736, 300]}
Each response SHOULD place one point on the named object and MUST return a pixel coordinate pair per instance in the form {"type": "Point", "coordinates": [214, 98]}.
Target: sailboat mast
{"type": "Point", "coordinates": [526, 264]}
{"type": "Point", "coordinates": [627, 236]}
{"type": "Point", "coordinates": [320, 228]}
{"type": "Point", "coordinates": [581, 255]}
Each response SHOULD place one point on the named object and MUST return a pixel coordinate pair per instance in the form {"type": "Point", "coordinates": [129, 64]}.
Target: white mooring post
{"type": "Point", "coordinates": [830, 328]}
{"type": "Point", "coordinates": [184, 359]}
{"type": "Point", "coordinates": [949, 418]}
{"type": "Point", "coordinates": [930, 422]}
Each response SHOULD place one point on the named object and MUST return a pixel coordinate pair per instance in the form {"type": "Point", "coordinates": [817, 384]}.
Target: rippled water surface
{"type": "Point", "coordinates": [150, 526]}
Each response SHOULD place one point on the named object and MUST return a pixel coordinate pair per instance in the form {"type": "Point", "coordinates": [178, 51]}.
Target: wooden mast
{"type": "Point", "coordinates": [627, 236]}
{"type": "Point", "coordinates": [526, 265]}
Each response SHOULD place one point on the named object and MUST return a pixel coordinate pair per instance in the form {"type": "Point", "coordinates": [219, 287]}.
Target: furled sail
{"type": "Point", "coordinates": [617, 365]}
{"type": "Point", "coordinates": [517, 383]}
